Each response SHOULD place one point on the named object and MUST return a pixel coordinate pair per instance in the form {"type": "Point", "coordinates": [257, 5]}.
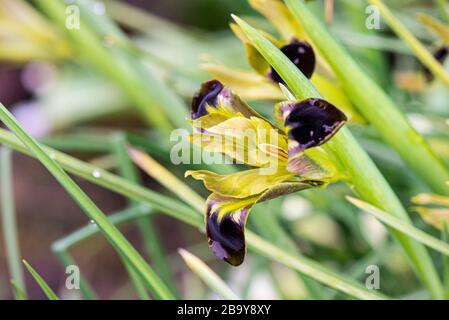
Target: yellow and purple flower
{"type": "Point", "coordinates": [284, 158]}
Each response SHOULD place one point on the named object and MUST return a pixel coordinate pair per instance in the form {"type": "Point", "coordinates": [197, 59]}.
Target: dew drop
{"type": "Point", "coordinates": [96, 174]}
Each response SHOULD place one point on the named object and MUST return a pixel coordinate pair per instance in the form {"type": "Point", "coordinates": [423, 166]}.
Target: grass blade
{"type": "Point", "coordinates": [445, 238]}
{"type": "Point", "coordinates": [312, 269]}
{"type": "Point", "coordinates": [353, 160]}
{"type": "Point", "coordinates": [51, 295]}
{"type": "Point", "coordinates": [164, 177]}
{"type": "Point", "coordinates": [147, 229]}
{"type": "Point", "coordinates": [120, 243]}
{"type": "Point", "coordinates": [209, 277]}
{"type": "Point", "coordinates": [9, 220]}
{"type": "Point", "coordinates": [373, 103]}
{"type": "Point", "coordinates": [405, 228]}
{"type": "Point", "coordinates": [420, 51]}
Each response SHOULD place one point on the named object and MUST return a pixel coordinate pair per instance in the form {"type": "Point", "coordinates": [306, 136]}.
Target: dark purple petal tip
{"type": "Point", "coordinates": [301, 54]}
{"type": "Point", "coordinates": [312, 122]}
{"type": "Point", "coordinates": [226, 236]}
{"type": "Point", "coordinates": [207, 95]}
{"type": "Point", "coordinates": [440, 55]}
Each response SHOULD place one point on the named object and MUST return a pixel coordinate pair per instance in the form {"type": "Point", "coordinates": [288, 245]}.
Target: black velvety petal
{"type": "Point", "coordinates": [301, 54]}
{"type": "Point", "coordinates": [440, 55]}
{"type": "Point", "coordinates": [207, 95]}
{"type": "Point", "coordinates": [226, 236]}
{"type": "Point", "coordinates": [312, 122]}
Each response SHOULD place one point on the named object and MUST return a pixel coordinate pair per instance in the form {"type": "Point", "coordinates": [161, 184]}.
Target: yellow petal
{"type": "Point", "coordinates": [249, 85]}
{"type": "Point", "coordinates": [252, 141]}
{"type": "Point", "coordinates": [226, 218]}
{"type": "Point", "coordinates": [242, 184]}
{"type": "Point", "coordinates": [436, 217]}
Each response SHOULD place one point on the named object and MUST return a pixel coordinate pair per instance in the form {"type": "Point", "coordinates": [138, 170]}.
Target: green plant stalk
{"type": "Point", "coordinates": [83, 233]}
{"type": "Point", "coordinates": [142, 293]}
{"type": "Point", "coordinates": [79, 143]}
{"type": "Point", "coordinates": [445, 238]}
{"type": "Point", "coordinates": [86, 290]}
{"type": "Point", "coordinates": [373, 103]}
{"type": "Point", "coordinates": [146, 227]}
{"type": "Point", "coordinates": [207, 275]}
{"type": "Point", "coordinates": [406, 228]}
{"type": "Point", "coordinates": [420, 51]}
{"type": "Point", "coordinates": [119, 242]}
{"type": "Point", "coordinates": [193, 217]}
{"type": "Point", "coordinates": [9, 224]}
{"type": "Point", "coordinates": [91, 49]}
{"type": "Point", "coordinates": [364, 176]}
{"type": "Point", "coordinates": [61, 247]}
{"type": "Point", "coordinates": [51, 295]}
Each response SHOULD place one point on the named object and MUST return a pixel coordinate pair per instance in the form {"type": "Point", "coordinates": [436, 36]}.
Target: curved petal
{"type": "Point", "coordinates": [309, 123]}
{"type": "Point", "coordinates": [252, 141]}
{"type": "Point", "coordinates": [302, 56]}
{"type": "Point", "coordinates": [249, 85]}
{"type": "Point", "coordinates": [214, 95]}
{"type": "Point", "coordinates": [226, 219]}
{"type": "Point", "coordinates": [241, 184]}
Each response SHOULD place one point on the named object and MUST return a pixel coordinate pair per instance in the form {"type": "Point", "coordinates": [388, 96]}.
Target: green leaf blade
{"type": "Point", "coordinates": [51, 295]}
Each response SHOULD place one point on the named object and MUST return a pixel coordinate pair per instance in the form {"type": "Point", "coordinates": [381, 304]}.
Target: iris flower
{"type": "Point", "coordinates": [283, 158]}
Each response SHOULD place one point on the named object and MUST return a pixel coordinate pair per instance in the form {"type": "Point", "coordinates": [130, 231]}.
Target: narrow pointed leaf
{"type": "Point", "coordinates": [405, 228]}
{"type": "Point", "coordinates": [51, 295]}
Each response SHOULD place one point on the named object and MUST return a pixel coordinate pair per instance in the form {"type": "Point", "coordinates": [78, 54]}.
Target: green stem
{"type": "Point", "coordinates": [420, 51]}
{"type": "Point", "coordinates": [146, 226]}
{"type": "Point", "coordinates": [373, 103]}
{"type": "Point", "coordinates": [364, 176]}
{"type": "Point", "coordinates": [111, 233]}
{"type": "Point", "coordinates": [51, 295]}
{"type": "Point", "coordinates": [9, 224]}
